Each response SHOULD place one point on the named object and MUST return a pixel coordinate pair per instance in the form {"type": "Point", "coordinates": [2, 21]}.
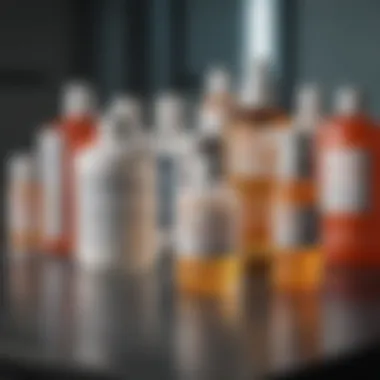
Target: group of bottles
{"type": "Point", "coordinates": [249, 187]}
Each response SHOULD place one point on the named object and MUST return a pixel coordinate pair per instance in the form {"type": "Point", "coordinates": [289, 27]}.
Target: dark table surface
{"type": "Point", "coordinates": [65, 321]}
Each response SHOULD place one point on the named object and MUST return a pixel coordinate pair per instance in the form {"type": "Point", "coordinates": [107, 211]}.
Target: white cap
{"type": "Point", "coordinates": [78, 98]}
{"type": "Point", "coordinates": [21, 166]}
{"type": "Point", "coordinates": [217, 81]}
{"type": "Point", "coordinates": [169, 110]}
{"type": "Point", "coordinates": [257, 89]}
{"type": "Point", "coordinates": [126, 109]}
{"type": "Point", "coordinates": [348, 101]}
{"type": "Point", "coordinates": [308, 107]}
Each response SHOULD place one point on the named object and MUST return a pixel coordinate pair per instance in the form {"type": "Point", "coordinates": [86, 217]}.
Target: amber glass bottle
{"type": "Point", "coordinates": [207, 264]}
{"type": "Point", "coordinates": [251, 145]}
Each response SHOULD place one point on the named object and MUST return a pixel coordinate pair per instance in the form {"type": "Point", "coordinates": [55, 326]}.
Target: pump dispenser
{"type": "Point", "coordinates": [349, 178]}
{"type": "Point", "coordinates": [207, 264]}
{"type": "Point", "coordinates": [170, 144]}
{"type": "Point", "coordinates": [297, 260]}
{"type": "Point", "coordinates": [252, 160]}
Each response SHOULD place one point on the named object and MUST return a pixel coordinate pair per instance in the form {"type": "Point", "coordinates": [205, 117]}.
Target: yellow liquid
{"type": "Point", "coordinates": [217, 277]}
{"type": "Point", "coordinates": [297, 270]}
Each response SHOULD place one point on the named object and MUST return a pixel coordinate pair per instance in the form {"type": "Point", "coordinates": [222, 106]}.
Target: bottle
{"type": "Point", "coordinates": [297, 259]}
{"type": "Point", "coordinates": [170, 138]}
{"type": "Point", "coordinates": [103, 202]}
{"type": "Point", "coordinates": [143, 242]}
{"type": "Point", "coordinates": [217, 102]}
{"type": "Point", "coordinates": [75, 128]}
{"type": "Point", "coordinates": [251, 143]}
{"type": "Point", "coordinates": [22, 205]}
{"type": "Point", "coordinates": [206, 262]}
{"type": "Point", "coordinates": [349, 185]}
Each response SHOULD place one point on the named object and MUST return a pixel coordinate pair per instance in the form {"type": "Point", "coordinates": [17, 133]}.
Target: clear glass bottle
{"type": "Point", "coordinates": [297, 263]}
{"type": "Point", "coordinates": [252, 158]}
{"type": "Point", "coordinates": [141, 163]}
{"type": "Point", "coordinates": [207, 264]}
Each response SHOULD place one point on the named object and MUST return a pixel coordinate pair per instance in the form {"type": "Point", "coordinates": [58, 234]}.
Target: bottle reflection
{"type": "Point", "coordinates": [206, 340]}
{"type": "Point", "coordinates": [55, 308]}
{"type": "Point", "coordinates": [352, 310]}
{"type": "Point", "coordinates": [295, 330]}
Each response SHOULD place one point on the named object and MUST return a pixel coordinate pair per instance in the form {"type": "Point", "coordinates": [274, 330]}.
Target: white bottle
{"type": "Point", "coordinates": [102, 180]}
{"type": "Point", "coordinates": [21, 204]}
{"type": "Point", "coordinates": [170, 140]}
{"type": "Point", "coordinates": [50, 159]}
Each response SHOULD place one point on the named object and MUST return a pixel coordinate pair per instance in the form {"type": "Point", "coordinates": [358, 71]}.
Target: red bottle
{"type": "Point", "coordinates": [69, 134]}
{"type": "Point", "coordinates": [349, 184]}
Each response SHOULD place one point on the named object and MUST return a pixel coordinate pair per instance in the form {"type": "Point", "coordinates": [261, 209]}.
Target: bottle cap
{"type": "Point", "coordinates": [78, 98]}
{"type": "Point", "coordinates": [257, 88]}
{"type": "Point", "coordinates": [217, 81]}
{"type": "Point", "coordinates": [169, 110]}
{"type": "Point", "coordinates": [348, 101]}
{"type": "Point", "coordinates": [308, 107]}
{"type": "Point", "coordinates": [126, 109]}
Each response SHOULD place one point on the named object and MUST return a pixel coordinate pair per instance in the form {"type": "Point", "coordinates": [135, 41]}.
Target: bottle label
{"type": "Point", "coordinates": [295, 155]}
{"type": "Point", "coordinates": [205, 229]}
{"type": "Point", "coordinates": [166, 186]}
{"type": "Point", "coordinates": [51, 166]}
{"type": "Point", "coordinates": [102, 214]}
{"type": "Point", "coordinates": [294, 226]}
{"type": "Point", "coordinates": [212, 122]}
{"type": "Point", "coordinates": [345, 182]}
{"type": "Point", "coordinates": [21, 216]}
{"type": "Point", "coordinates": [253, 151]}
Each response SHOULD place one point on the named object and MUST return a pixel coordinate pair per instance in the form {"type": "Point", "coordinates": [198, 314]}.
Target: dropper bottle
{"type": "Point", "coordinates": [297, 260]}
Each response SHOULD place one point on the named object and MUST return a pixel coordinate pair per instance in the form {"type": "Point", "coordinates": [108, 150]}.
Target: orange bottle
{"type": "Point", "coordinates": [297, 260]}
{"type": "Point", "coordinates": [251, 145]}
{"type": "Point", "coordinates": [58, 146]}
{"type": "Point", "coordinates": [348, 166]}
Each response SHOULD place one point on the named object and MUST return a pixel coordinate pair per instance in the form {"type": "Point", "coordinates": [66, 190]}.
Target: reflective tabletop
{"type": "Point", "coordinates": [54, 315]}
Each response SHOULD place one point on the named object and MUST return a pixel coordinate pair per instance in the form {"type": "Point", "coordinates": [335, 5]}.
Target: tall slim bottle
{"type": "Point", "coordinates": [349, 184]}
{"type": "Point", "coordinates": [252, 159]}
{"type": "Point", "coordinates": [295, 226]}
{"type": "Point", "coordinates": [58, 144]}
{"type": "Point", "coordinates": [21, 205]}
{"type": "Point", "coordinates": [170, 137]}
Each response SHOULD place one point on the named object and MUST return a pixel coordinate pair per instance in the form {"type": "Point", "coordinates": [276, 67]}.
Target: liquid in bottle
{"type": "Point", "coordinates": [252, 159]}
